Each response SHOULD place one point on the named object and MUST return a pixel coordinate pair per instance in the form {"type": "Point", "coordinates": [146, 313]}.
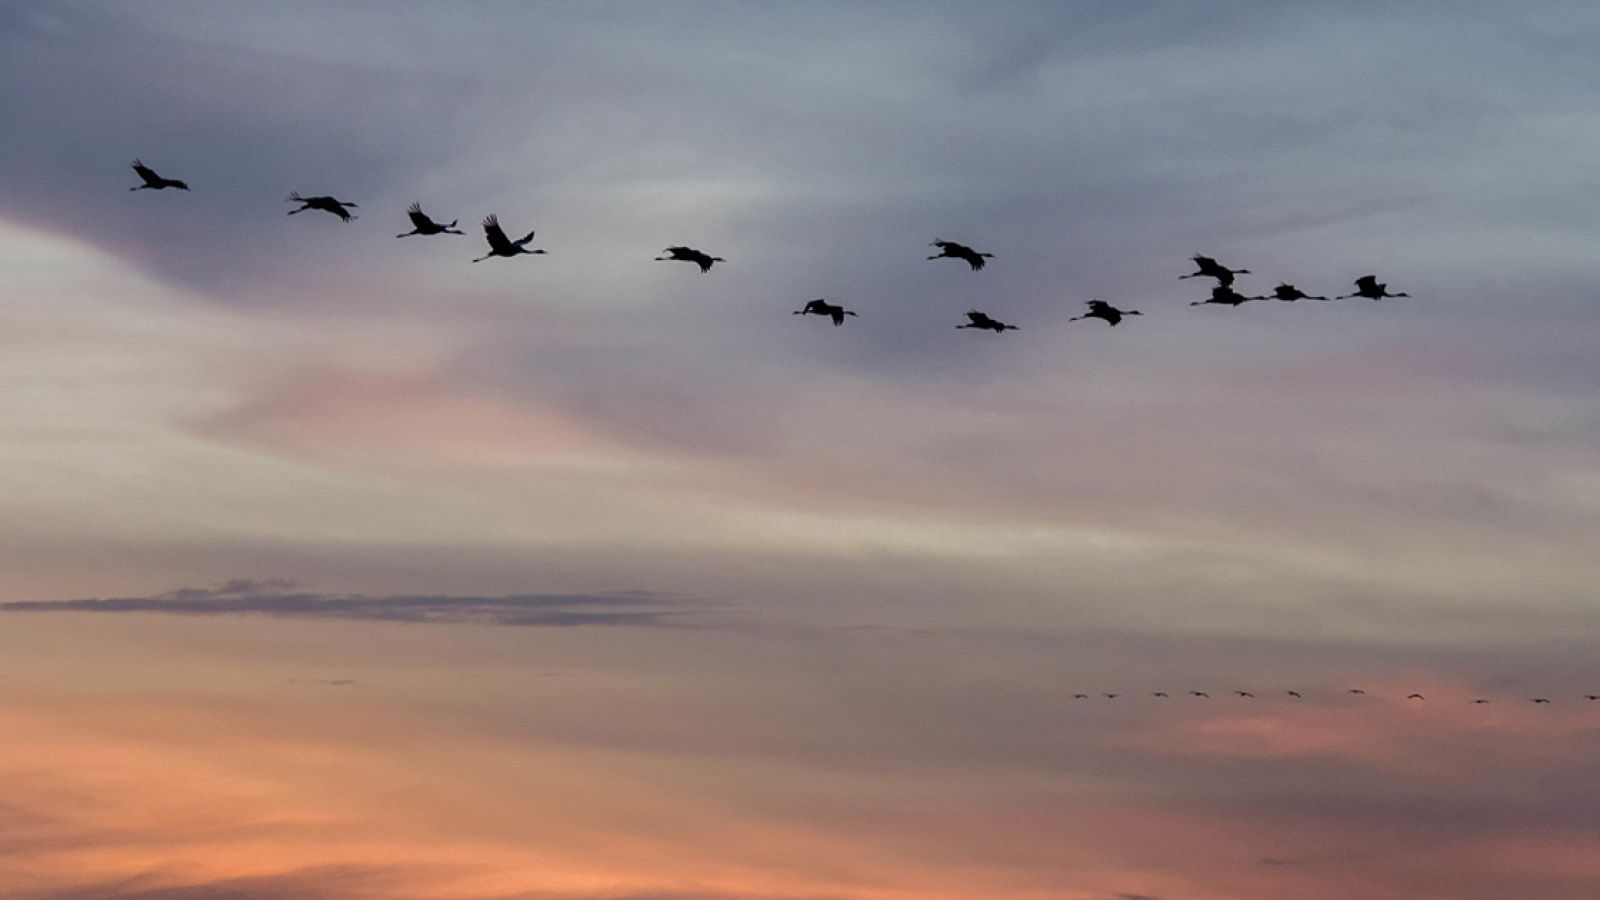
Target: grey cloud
{"type": "Point", "coordinates": [278, 599]}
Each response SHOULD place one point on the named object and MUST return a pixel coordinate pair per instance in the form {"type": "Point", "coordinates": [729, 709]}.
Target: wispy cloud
{"type": "Point", "coordinates": [277, 598]}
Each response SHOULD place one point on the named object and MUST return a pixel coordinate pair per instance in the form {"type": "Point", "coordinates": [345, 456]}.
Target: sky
{"type": "Point", "coordinates": [334, 567]}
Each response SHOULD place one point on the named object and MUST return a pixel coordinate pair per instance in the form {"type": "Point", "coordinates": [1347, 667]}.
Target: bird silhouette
{"type": "Point", "coordinates": [499, 244]}
{"type": "Point", "coordinates": [1159, 694]}
{"type": "Point", "coordinates": [1291, 293]}
{"type": "Point", "coordinates": [1080, 696]}
{"type": "Point", "coordinates": [1591, 696]}
{"type": "Point", "coordinates": [154, 182]}
{"type": "Point", "coordinates": [1226, 296]}
{"type": "Point", "coordinates": [1201, 694]}
{"type": "Point", "coordinates": [421, 224]}
{"type": "Point", "coordinates": [1539, 700]}
{"type": "Point", "coordinates": [1210, 268]}
{"type": "Point", "coordinates": [1480, 700]}
{"type": "Point", "coordinates": [982, 320]}
{"type": "Point", "coordinates": [1355, 691]}
{"type": "Point", "coordinates": [1243, 694]}
{"type": "Point", "coordinates": [1294, 694]}
{"type": "Point", "coordinates": [1109, 696]}
{"type": "Point", "coordinates": [689, 254]}
{"type": "Point", "coordinates": [326, 204]}
{"type": "Point", "coordinates": [820, 307]}
{"type": "Point", "coordinates": [1415, 697]}
{"type": "Point", "coordinates": [1367, 286]}
{"type": "Point", "coordinates": [953, 250]}
{"type": "Point", "coordinates": [1099, 309]}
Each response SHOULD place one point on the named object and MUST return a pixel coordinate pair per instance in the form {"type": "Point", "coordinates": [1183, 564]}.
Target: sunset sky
{"type": "Point", "coordinates": [335, 567]}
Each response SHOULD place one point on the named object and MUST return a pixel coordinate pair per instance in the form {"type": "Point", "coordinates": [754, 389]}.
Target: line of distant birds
{"type": "Point", "coordinates": [1367, 286]}
{"type": "Point", "coordinates": [1296, 695]}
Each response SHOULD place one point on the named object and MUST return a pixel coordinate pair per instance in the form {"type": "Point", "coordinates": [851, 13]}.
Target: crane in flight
{"type": "Point", "coordinates": [154, 182]}
{"type": "Point", "coordinates": [1224, 295]}
{"type": "Point", "coordinates": [500, 245]}
{"type": "Point", "coordinates": [1099, 309]}
{"type": "Point", "coordinates": [953, 250]}
{"type": "Point", "coordinates": [1290, 293]}
{"type": "Point", "coordinates": [820, 307]}
{"type": "Point", "coordinates": [1367, 286]}
{"type": "Point", "coordinates": [689, 254]}
{"type": "Point", "coordinates": [339, 208]}
{"type": "Point", "coordinates": [421, 224]}
{"type": "Point", "coordinates": [1206, 267]}
{"type": "Point", "coordinates": [982, 320]}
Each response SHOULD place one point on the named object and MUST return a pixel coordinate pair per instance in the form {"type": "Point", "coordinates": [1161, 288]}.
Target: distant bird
{"type": "Point", "coordinates": [1200, 694]}
{"type": "Point", "coordinates": [953, 250]}
{"type": "Point", "coordinates": [1243, 694]}
{"type": "Point", "coordinates": [1226, 296]}
{"type": "Point", "coordinates": [1294, 694]}
{"type": "Point", "coordinates": [326, 204]}
{"type": "Point", "coordinates": [1080, 696]}
{"type": "Point", "coordinates": [1099, 309]}
{"type": "Point", "coordinates": [1109, 696]}
{"type": "Point", "coordinates": [1291, 293]}
{"type": "Point", "coordinates": [689, 254]}
{"type": "Point", "coordinates": [421, 224]}
{"type": "Point", "coordinates": [1538, 700]}
{"type": "Point", "coordinates": [1367, 286]}
{"type": "Point", "coordinates": [1415, 697]}
{"type": "Point", "coordinates": [1159, 694]}
{"type": "Point", "coordinates": [1210, 268]}
{"type": "Point", "coordinates": [154, 182]}
{"type": "Point", "coordinates": [1355, 691]}
{"type": "Point", "coordinates": [499, 245]}
{"type": "Point", "coordinates": [982, 320]}
{"type": "Point", "coordinates": [1480, 700]}
{"type": "Point", "coordinates": [820, 307]}
{"type": "Point", "coordinates": [1591, 696]}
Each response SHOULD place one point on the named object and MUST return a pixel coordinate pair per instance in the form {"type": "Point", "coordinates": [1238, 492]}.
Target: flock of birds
{"type": "Point", "coordinates": [501, 245]}
{"type": "Point", "coordinates": [1296, 695]}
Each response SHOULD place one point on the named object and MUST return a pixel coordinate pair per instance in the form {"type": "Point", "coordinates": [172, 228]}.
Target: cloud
{"type": "Point", "coordinates": [277, 598]}
{"type": "Point", "coordinates": [316, 883]}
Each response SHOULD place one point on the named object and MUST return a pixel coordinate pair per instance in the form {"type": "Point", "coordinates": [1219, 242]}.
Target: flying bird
{"type": "Point", "coordinates": [820, 307]}
{"type": "Point", "coordinates": [1415, 697]}
{"type": "Point", "coordinates": [953, 250]}
{"type": "Point", "coordinates": [1294, 694]}
{"type": "Point", "coordinates": [1109, 696]}
{"type": "Point", "coordinates": [1200, 694]}
{"type": "Point", "coordinates": [326, 204]}
{"type": "Point", "coordinates": [421, 224]}
{"type": "Point", "coordinates": [1367, 286]}
{"type": "Point", "coordinates": [1209, 268]}
{"type": "Point", "coordinates": [1243, 694]}
{"type": "Point", "coordinates": [1099, 309]}
{"type": "Point", "coordinates": [982, 320]}
{"type": "Point", "coordinates": [689, 254]}
{"type": "Point", "coordinates": [1539, 700]}
{"type": "Point", "coordinates": [1159, 694]}
{"type": "Point", "coordinates": [1226, 296]}
{"type": "Point", "coordinates": [1480, 700]}
{"type": "Point", "coordinates": [499, 244]}
{"type": "Point", "coordinates": [1291, 293]}
{"type": "Point", "coordinates": [1355, 691]}
{"type": "Point", "coordinates": [1080, 696]}
{"type": "Point", "coordinates": [1591, 696]}
{"type": "Point", "coordinates": [154, 182]}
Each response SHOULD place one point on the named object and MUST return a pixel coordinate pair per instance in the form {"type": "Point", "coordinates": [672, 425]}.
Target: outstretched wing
{"type": "Point", "coordinates": [418, 217]}
{"type": "Point", "coordinates": [1367, 282]}
{"type": "Point", "coordinates": [524, 242]}
{"type": "Point", "coordinates": [146, 173]}
{"type": "Point", "coordinates": [837, 313]}
{"type": "Point", "coordinates": [497, 237]}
